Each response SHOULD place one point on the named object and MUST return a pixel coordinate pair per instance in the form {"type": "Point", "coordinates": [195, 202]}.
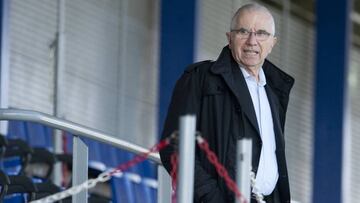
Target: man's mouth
{"type": "Point", "coordinates": [248, 51]}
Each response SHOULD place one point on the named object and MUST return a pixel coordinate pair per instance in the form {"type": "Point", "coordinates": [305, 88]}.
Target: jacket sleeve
{"type": "Point", "coordinates": [186, 99]}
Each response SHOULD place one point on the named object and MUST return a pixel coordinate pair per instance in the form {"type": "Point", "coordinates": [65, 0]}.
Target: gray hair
{"type": "Point", "coordinates": [251, 7]}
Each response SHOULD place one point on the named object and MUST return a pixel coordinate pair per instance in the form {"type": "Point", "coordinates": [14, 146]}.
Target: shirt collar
{"type": "Point", "coordinates": [247, 76]}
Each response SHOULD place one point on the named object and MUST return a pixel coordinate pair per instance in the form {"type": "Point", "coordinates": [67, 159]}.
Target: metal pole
{"type": "Point", "coordinates": [4, 61]}
{"type": "Point", "coordinates": [80, 168]}
{"type": "Point", "coordinates": [243, 157]}
{"type": "Point", "coordinates": [187, 158]}
{"type": "Point", "coordinates": [164, 187]}
{"type": "Point", "coordinates": [59, 81]}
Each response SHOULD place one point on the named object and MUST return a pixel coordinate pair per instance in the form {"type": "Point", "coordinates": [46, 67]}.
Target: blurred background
{"type": "Point", "coordinates": [111, 65]}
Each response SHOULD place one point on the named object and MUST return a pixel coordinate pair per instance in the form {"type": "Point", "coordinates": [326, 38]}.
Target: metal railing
{"type": "Point", "coordinates": [76, 129]}
{"type": "Point", "coordinates": [164, 189]}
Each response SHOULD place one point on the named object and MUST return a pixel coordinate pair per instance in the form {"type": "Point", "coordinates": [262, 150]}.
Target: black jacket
{"type": "Point", "coordinates": [217, 94]}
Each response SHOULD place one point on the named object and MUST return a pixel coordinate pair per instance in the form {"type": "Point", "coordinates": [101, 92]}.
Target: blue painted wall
{"type": "Point", "coordinates": [332, 54]}
{"type": "Point", "coordinates": [177, 47]}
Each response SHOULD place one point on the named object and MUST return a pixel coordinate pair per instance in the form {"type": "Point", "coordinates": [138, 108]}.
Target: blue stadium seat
{"type": "Point", "coordinates": [21, 189]}
{"type": "Point", "coordinates": [16, 156]}
{"type": "Point", "coordinates": [38, 136]}
{"type": "Point", "coordinates": [17, 129]}
{"type": "Point", "coordinates": [122, 190]}
{"type": "Point", "coordinates": [144, 193]}
{"type": "Point", "coordinates": [94, 149]}
{"type": "Point", "coordinates": [49, 132]}
{"type": "Point", "coordinates": [147, 169]}
{"type": "Point", "coordinates": [96, 158]}
{"type": "Point", "coordinates": [15, 198]}
{"type": "Point", "coordinates": [108, 155]}
{"type": "Point", "coordinates": [132, 188]}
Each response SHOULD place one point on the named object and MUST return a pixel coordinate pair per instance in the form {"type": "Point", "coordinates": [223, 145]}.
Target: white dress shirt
{"type": "Point", "coordinates": [267, 173]}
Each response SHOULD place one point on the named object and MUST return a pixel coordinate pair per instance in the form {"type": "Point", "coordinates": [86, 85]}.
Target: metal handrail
{"type": "Point", "coordinates": [74, 128]}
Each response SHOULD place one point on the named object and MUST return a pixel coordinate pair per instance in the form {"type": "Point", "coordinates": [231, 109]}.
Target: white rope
{"type": "Point", "coordinates": [103, 177]}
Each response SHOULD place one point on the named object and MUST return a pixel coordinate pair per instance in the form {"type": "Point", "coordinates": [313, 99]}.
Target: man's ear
{"type": "Point", "coordinates": [274, 42]}
{"type": "Point", "coordinates": [228, 36]}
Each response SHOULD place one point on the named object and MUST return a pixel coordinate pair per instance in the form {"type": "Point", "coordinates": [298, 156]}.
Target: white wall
{"type": "Point", "coordinates": [111, 68]}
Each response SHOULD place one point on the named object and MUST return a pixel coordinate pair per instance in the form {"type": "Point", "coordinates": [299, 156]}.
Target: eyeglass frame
{"type": "Point", "coordinates": [248, 33]}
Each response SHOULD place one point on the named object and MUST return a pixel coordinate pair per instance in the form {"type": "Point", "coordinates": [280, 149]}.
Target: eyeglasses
{"type": "Point", "coordinates": [260, 35]}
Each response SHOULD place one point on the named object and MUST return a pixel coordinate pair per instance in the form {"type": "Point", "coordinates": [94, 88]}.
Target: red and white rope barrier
{"type": "Point", "coordinates": [105, 176]}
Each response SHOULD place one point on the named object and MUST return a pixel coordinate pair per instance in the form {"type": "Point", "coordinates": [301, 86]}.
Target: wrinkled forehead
{"type": "Point", "coordinates": [255, 20]}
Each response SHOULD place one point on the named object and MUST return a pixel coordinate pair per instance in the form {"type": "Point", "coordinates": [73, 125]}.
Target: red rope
{"type": "Point", "coordinates": [141, 157]}
{"type": "Point", "coordinates": [220, 168]}
{"type": "Point", "coordinates": [173, 174]}
{"type": "Point", "coordinates": [65, 180]}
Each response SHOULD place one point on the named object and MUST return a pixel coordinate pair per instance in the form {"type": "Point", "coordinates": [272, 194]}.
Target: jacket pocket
{"type": "Point", "coordinates": [214, 89]}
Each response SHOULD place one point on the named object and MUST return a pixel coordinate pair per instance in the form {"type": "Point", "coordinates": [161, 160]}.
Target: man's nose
{"type": "Point", "coordinates": [252, 39]}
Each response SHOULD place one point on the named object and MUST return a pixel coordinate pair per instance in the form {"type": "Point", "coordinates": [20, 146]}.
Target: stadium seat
{"type": "Point", "coordinates": [4, 184]}
{"type": "Point", "coordinates": [122, 190]}
{"type": "Point", "coordinates": [21, 189]}
{"type": "Point", "coordinates": [16, 157]}
{"type": "Point", "coordinates": [37, 135]}
{"type": "Point", "coordinates": [17, 129]}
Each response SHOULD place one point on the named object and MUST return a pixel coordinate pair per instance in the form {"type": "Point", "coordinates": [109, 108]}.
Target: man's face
{"type": "Point", "coordinates": [251, 51]}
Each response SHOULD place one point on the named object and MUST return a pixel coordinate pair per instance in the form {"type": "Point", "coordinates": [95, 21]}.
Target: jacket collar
{"type": "Point", "coordinates": [275, 77]}
{"type": "Point", "coordinates": [223, 63]}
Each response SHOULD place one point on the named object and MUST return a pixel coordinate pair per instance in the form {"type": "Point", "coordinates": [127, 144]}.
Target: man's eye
{"type": "Point", "coordinates": [243, 31]}
{"type": "Point", "coordinates": [262, 33]}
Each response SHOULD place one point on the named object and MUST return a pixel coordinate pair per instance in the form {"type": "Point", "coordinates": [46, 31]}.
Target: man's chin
{"type": "Point", "coordinates": [251, 65]}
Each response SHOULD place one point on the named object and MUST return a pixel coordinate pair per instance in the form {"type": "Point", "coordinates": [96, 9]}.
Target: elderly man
{"type": "Point", "coordinates": [241, 94]}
